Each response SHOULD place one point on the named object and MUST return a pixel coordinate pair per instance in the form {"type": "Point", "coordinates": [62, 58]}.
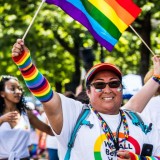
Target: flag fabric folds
{"type": "Point", "coordinates": [106, 20]}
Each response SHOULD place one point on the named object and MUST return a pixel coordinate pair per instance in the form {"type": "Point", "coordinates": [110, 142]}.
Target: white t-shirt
{"type": "Point", "coordinates": [91, 144]}
{"type": "Point", "coordinates": [152, 111]}
{"type": "Point", "coordinates": [14, 141]}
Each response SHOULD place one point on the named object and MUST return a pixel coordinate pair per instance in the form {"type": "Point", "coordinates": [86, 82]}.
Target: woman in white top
{"type": "Point", "coordinates": [15, 121]}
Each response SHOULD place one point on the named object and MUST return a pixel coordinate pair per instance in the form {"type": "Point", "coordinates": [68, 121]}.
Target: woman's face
{"type": "Point", "coordinates": [107, 100]}
{"type": "Point", "coordinates": [12, 91]}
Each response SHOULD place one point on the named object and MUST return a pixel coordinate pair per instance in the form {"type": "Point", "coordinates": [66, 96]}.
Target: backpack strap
{"type": "Point", "coordinates": [80, 121]}
{"type": "Point", "coordinates": [136, 120]}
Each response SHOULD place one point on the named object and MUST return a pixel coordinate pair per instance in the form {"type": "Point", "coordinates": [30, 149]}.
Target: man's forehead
{"type": "Point", "coordinates": [105, 73]}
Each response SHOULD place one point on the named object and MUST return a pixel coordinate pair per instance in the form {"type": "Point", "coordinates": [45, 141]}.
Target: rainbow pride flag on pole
{"type": "Point", "coordinates": [106, 20]}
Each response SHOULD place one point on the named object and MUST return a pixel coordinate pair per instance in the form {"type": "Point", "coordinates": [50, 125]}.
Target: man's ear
{"type": "Point", "coordinates": [88, 91]}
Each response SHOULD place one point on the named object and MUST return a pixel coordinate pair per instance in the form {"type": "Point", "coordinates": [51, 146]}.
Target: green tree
{"type": "Point", "coordinates": [55, 40]}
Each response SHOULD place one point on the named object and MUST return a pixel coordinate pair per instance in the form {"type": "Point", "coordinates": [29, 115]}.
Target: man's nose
{"type": "Point", "coordinates": [107, 89]}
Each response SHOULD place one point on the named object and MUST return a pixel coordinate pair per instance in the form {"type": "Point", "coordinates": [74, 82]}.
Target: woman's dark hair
{"type": "Point", "coordinates": [22, 103]}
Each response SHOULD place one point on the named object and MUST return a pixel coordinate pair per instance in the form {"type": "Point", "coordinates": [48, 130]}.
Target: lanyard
{"type": "Point", "coordinates": [108, 132]}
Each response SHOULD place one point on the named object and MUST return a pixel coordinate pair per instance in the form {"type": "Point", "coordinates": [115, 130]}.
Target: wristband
{"type": "Point", "coordinates": [134, 156]}
{"type": "Point", "coordinates": [156, 79]}
{"type": "Point", "coordinates": [35, 81]}
{"type": "Point", "coordinates": [157, 76]}
{"type": "Point", "coordinates": [23, 61]}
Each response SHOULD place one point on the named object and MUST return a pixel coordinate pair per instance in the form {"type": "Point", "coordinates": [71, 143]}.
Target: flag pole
{"type": "Point", "coordinates": [142, 39]}
{"type": "Point", "coordinates": [33, 19]}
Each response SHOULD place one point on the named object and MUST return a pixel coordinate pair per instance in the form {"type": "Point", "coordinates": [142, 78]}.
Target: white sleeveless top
{"type": "Point", "coordinates": [14, 141]}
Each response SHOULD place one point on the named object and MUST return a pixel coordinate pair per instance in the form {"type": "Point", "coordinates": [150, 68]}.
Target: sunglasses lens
{"type": "Point", "coordinates": [102, 85]}
{"type": "Point", "coordinates": [99, 85]}
{"type": "Point", "coordinates": [114, 84]}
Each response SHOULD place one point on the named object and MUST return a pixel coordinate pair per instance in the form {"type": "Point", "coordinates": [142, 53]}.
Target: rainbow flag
{"type": "Point", "coordinates": [106, 20]}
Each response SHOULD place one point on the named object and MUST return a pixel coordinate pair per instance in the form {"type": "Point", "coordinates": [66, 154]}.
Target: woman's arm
{"type": "Point", "coordinates": [139, 101]}
{"type": "Point", "coordinates": [38, 85]}
{"type": "Point", "coordinates": [38, 124]}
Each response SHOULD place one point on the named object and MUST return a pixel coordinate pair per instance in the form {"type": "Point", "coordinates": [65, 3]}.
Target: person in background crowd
{"type": "Point", "coordinates": [82, 97]}
{"type": "Point", "coordinates": [81, 94]}
{"type": "Point", "coordinates": [51, 142]}
{"type": "Point", "coordinates": [152, 109]}
{"type": "Point", "coordinates": [15, 120]}
{"type": "Point", "coordinates": [112, 129]}
{"type": "Point", "coordinates": [35, 133]}
{"type": "Point", "coordinates": [69, 94]}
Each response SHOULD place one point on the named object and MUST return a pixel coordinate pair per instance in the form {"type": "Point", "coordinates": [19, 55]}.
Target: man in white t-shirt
{"type": "Point", "coordinates": [112, 130]}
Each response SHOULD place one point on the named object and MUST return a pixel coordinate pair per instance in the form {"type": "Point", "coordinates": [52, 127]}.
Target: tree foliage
{"type": "Point", "coordinates": [55, 40]}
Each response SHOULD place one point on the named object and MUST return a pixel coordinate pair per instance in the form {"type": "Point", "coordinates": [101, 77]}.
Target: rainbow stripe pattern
{"type": "Point", "coordinates": [137, 157]}
{"type": "Point", "coordinates": [101, 67]}
{"type": "Point", "coordinates": [35, 81]}
{"type": "Point", "coordinates": [106, 20]}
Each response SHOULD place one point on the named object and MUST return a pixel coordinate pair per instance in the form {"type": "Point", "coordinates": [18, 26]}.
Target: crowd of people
{"type": "Point", "coordinates": [42, 145]}
{"type": "Point", "coordinates": [16, 120]}
{"type": "Point", "coordinates": [21, 118]}
{"type": "Point", "coordinates": [109, 131]}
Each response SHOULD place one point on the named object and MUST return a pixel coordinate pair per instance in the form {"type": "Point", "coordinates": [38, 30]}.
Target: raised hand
{"type": "Point", "coordinates": [156, 63]}
{"type": "Point", "coordinates": [19, 48]}
{"type": "Point", "coordinates": [10, 117]}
